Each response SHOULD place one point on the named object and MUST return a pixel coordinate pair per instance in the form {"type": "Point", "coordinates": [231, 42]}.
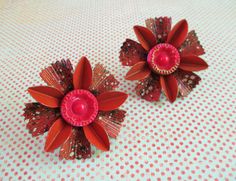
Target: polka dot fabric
{"type": "Point", "coordinates": [191, 139]}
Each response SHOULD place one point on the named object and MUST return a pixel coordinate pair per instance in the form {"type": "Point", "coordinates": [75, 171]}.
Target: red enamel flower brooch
{"type": "Point", "coordinates": [164, 60]}
{"type": "Point", "coordinates": [76, 109]}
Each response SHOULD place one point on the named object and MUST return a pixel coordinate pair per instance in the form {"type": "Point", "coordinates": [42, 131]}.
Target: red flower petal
{"type": "Point", "coordinates": [186, 81]}
{"type": "Point", "coordinates": [103, 81]}
{"type": "Point", "coordinates": [138, 72]}
{"type": "Point", "coordinates": [57, 135]}
{"type": "Point", "coordinates": [160, 27]}
{"type": "Point", "coordinates": [97, 136]}
{"type": "Point", "coordinates": [170, 86]}
{"type": "Point", "coordinates": [178, 34]}
{"type": "Point", "coordinates": [47, 96]}
{"type": "Point", "coordinates": [82, 77]}
{"type": "Point", "coordinates": [76, 147]}
{"type": "Point", "coordinates": [59, 75]}
{"type": "Point", "coordinates": [191, 45]}
{"type": "Point", "coordinates": [111, 121]}
{"type": "Point", "coordinates": [132, 52]}
{"type": "Point", "coordinates": [192, 63]}
{"type": "Point", "coordinates": [109, 101]}
{"type": "Point", "coordinates": [40, 118]}
{"type": "Point", "coordinates": [149, 88]}
{"type": "Point", "coordinates": [145, 37]}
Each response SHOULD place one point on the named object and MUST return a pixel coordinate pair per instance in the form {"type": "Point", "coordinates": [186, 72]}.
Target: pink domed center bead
{"type": "Point", "coordinates": [163, 59]}
{"type": "Point", "coordinates": [79, 107]}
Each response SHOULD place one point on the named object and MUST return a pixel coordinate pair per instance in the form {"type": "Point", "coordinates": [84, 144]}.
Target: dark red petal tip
{"type": "Point", "coordinates": [97, 136]}
{"type": "Point", "coordinates": [192, 63]}
{"type": "Point", "coordinates": [145, 37]}
{"type": "Point", "coordinates": [47, 96]}
{"type": "Point", "coordinates": [82, 77]}
{"type": "Point", "coordinates": [57, 135]}
{"type": "Point", "coordinates": [170, 87]}
{"type": "Point", "coordinates": [138, 72]}
{"type": "Point", "coordinates": [178, 34]}
{"type": "Point", "coordinates": [109, 101]}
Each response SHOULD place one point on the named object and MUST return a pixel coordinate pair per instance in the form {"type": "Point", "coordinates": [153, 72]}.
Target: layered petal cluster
{"type": "Point", "coordinates": [76, 109]}
{"type": "Point", "coordinates": [164, 59]}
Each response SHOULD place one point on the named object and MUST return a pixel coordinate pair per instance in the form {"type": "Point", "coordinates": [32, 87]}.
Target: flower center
{"type": "Point", "coordinates": [79, 107]}
{"type": "Point", "coordinates": [163, 59]}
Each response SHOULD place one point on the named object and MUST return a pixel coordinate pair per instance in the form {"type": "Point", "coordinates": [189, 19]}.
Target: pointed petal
{"type": "Point", "coordinates": [111, 121]}
{"type": "Point", "coordinates": [178, 34]}
{"type": "Point", "coordinates": [145, 37]}
{"type": "Point", "coordinates": [109, 101]}
{"type": "Point", "coordinates": [47, 96]}
{"type": "Point", "coordinates": [82, 77]}
{"type": "Point", "coordinates": [191, 45]}
{"type": "Point", "coordinates": [103, 80]}
{"type": "Point", "coordinates": [192, 63]}
{"type": "Point", "coordinates": [59, 75]}
{"type": "Point", "coordinates": [160, 27]}
{"type": "Point", "coordinates": [149, 88]}
{"type": "Point", "coordinates": [170, 86]}
{"type": "Point", "coordinates": [97, 136]}
{"type": "Point", "coordinates": [57, 135]}
{"type": "Point", "coordinates": [186, 81]}
{"type": "Point", "coordinates": [138, 72]}
{"type": "Point", "coordinates": [76, 147]}
{"type": "Point", "coordinates": [132, 52]}
{"type": "Point", "coordinates": [40, 118]}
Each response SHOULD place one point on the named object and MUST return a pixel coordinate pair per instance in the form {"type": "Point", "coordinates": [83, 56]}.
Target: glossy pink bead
{"type": "Point", "coordinates": [163, 59]}
{"type": "Point", "coordinates": [79, 107]}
